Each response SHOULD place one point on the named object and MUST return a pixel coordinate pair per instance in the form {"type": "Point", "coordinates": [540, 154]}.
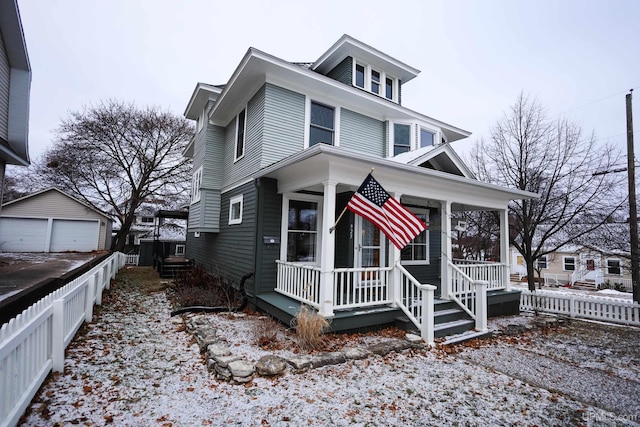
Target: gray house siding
{"type": "Point", "coordinates": [230, 252]}
{"type": "Point", "coordinates": [343, 72]}
{"type": "Point", "coordinates": [236, 170]}
{"type": "Point", "coordinates": [284, 118]}
{"type": "Point", "coordinates": [362, 134]}
{"type": "Point", "coordinates": [5, 72]}
{"type": "Point", "coordinates": [268, 224]}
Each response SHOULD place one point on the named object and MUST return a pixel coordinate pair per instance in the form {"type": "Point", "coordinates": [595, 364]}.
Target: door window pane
{"type": "Point", "coordinates": [302, 233]}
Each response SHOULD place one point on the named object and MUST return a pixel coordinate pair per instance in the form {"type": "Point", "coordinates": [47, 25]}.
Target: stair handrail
{"type": "Point", "coordinates": [468, 304]}
{"type": "Point", "coordinates": [419, 311]}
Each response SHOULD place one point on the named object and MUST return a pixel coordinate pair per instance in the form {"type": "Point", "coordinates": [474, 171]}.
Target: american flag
{"type": "Point", "coordinates": [372, 202]}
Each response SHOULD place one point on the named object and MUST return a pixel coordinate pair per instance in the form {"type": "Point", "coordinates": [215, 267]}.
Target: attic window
{"type": "Point", "coordinates": [375, 81]}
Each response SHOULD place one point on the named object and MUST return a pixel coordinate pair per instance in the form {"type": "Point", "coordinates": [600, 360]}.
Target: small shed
{"type": "Point", "coordinates": [53, 221]}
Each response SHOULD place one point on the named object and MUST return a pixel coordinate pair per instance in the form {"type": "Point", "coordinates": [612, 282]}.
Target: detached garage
{"type": "Point", "coordinates": [52, 221]}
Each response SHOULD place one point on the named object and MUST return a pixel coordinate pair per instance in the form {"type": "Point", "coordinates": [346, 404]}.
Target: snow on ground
{"type": "Point", "coordinates": [133, 366]}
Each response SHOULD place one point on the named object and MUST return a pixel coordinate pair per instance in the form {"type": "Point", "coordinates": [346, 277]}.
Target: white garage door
{"type": "Point", "coordinates": [74, 235]}
{"type": "Point", "coordinates": [23, 235]}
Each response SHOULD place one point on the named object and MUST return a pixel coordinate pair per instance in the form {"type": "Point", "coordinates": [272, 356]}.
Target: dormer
{"type": "Point", "coordinates": [362, 66]}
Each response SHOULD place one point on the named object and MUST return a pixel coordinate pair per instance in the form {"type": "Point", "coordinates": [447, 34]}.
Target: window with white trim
{"type": "Point", "coordinates": [302, 230]}
{"type": "Point", "coordinates": [401, 138]}
{"type": "Point", "coordinates": [180, 249]}
{"type": "Point", "coordinates": [375, 81]}
{"type": "Point", "coordinates": [614, 266]}
{"type": "Point", "coordinates": [241, 122]}
{"type": "Point", "coordinates": [235, 209]}
{"type": "Point", "coordinates": [427, 138]}
{"type": "Point", "coordinates": [543, 262]}
{"type": "Point", "coordinates": [146, 220]}
{"type": "Point", "coordinates": [196, 182]}
{"type": "Point", "coordinates": [569, 263]}
{"type": "Point", "coordinates": [417, 250]}
{"type": "Point", "coordinates": [321, 124]}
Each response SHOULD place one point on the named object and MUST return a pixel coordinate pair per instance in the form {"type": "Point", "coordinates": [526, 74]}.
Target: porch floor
{"type": "Point", "coordinates": [449, 319]}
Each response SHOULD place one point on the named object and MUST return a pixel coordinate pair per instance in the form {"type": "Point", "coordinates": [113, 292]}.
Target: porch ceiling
{"type": "Point", "coordinates": [308, 169]}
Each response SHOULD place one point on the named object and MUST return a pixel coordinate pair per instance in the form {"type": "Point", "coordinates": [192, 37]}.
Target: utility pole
{"type": "Point", "coordinates": [633, 210]}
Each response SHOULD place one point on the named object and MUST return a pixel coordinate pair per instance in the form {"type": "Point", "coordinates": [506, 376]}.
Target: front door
{"type": "Point", "coordinates": [369, 248]}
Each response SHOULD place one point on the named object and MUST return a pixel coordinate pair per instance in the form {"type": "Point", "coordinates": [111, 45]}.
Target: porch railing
{"type": "Point", "coordinates": [469, 293]}
{"type": "Point", "coordinates": [491, 272]}
{"type": "Point", "coordinates": [552, 279]}
{"type": "Point", "coordinates": [300, 282]}
{"type": "Point", "coordinates": [361, 287]}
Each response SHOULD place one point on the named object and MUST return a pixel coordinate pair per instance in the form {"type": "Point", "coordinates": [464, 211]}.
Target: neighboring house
{"type": "Point", "coordinates": [281, 148]}
{"type": "Point", "coordinates": [581, 266]}
{"type": "Point", "coordinates": [167, 239]}
{"type": "Point", "coordinates": [15, 84]}
{"type": "Point", "coordinates": [143, 224]}
{"type": "Point", "coordinates": [52, 221]}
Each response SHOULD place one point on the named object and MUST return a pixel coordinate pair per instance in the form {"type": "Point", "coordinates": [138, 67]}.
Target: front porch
{"type": "Point", "coordinates": [366, 298]}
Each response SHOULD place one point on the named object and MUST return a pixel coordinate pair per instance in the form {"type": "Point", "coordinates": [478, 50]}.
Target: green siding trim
{"type": "Point", "coordinates": [362, 134]}
{"type": "Point", "coordinates": [230, 252]}
{"type": "Point", "coordinates": [268, 224]}
{"type": "Point", "coordinates": [284, 118]}
{"type": "Point", "coordinates": [343, 72]}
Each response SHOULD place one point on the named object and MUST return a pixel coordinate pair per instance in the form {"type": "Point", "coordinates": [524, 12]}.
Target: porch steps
{"type": "Point", "coordinates": [449, 320]}
{"type": "Point", "coordinates": [585, 286]}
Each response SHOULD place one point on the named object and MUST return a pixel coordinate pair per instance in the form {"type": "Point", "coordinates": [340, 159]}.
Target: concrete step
{"type": "Point", "coordinates": [453, 328]}
{"type": "Point", "coordinates": [466, 336]}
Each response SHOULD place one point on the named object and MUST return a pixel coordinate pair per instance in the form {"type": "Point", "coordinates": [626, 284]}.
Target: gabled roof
{"type": "Point", "coordinates": [202, 94]}
{"type": "Point", "coordinates": [439, 157]}
{"type": "Point", "coordinates": [348, 46]}
{"type": "Point", "coordinates": [54, 189]}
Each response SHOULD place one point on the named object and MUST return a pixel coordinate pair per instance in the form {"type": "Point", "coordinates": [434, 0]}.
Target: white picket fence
{"type": "Point", "coordinates": [33, 343]}
{"type": "Point", "coordinates": [612, 310]}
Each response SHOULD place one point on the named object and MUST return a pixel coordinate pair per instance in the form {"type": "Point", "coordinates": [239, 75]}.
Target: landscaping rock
{"type": "Point", "coordinates": [241, 368]}
{"type": "Point", "coordinates": [323, 359]}
{"type": "Point", "coordinates": [218, 349]}
{"type": "Point", "coordinates": [300, 363]}
{"type": "Point", "coordinates": [223, 361]}
{"type": "Point", "coordinates": [271, 365]}
{"type": "Point", "coordinates": [385, 348]}
{"type": "Point", "coordinates": [514, 329]}
{"type": "Point", "coordinates": [353, 353]}
{"type": "Point", "coordinates": [413, 338]}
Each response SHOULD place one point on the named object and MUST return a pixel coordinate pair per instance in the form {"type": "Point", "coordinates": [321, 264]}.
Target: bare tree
{"type": "Point", "coordinates": [555, 159]}
{"type": "Point", "coordinates": [115, 157]}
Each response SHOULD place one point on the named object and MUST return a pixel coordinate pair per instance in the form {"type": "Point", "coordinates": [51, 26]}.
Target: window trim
{"type": "Point", "coordinates": [546, 262]}
{"type": "Point", "coordinates": [419, 136]}
{"type": "Point", "coordinates": [239, 199]}
{"type": "Point", "coordinates": [382, 83]}
{"type": "Point", "coordinates": [180, 249]}
{"type": "Point", "coordinates": [619, 267]}
{"type": "Point", "coordinates": [392, 137]}
{"type": "Point", "coordinates": [196, 183]}
{"type": "Point", "coordinates": [284, 227]}
{"type": "Point", "coordinates": [307, 126]}
{"type": "Point", "coordinates": [564, 263]}
{"type": "Point", "coordinates": [239, 134]}
{"type": "Point", "coordinates": [427, 251]}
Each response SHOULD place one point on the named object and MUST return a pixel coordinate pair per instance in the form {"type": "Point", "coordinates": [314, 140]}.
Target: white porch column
{"type": "Point", "coordinates": [327, 249]}
{"type": "Point", "coordinates": [394, 257]}
{"type": "Point", "coordinates": [445, 248]}
{"type": "Point", "coordinates": [481, 305]}
{"type": "Point", "coordinates": [505, 256]}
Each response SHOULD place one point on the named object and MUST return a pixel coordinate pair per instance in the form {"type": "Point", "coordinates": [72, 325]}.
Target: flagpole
{"type": "Point", "coordinates": [335, 224]}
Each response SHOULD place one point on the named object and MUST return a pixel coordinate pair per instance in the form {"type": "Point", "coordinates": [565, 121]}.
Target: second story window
{"type": "Point", "coordinates": [321, 128]}
{"type": "Point", "coordinates": [427, 138]}
{"type": "Point", "coordinates": [240, 131]}
{"type": "Point", "coordinates": [375, 81]}
{"type": "Point", "coordinates": [401, 138]}
{"type": "Point", "coordinates": [196, 181]}
{"type": "Point", "coordinates": [388, 88]}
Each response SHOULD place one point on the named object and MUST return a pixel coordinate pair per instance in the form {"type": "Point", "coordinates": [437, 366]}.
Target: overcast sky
{"type": "Point", "coordinates": [578, 57]}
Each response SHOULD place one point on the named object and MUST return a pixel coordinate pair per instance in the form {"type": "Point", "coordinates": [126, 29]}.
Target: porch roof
{"type": "Point", "coordinates": [308, 169]}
